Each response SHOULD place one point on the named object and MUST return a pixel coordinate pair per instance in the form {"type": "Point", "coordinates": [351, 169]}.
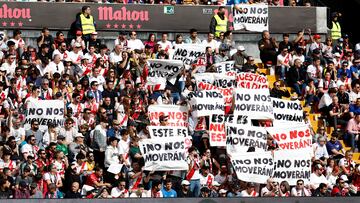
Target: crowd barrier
{"type": "Point", "coordinates": [199, 200]}
{"type": "Point", "coordinates": [148, 18]}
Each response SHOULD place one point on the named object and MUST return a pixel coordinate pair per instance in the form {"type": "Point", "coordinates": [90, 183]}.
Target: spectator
{"type": "Point", "coordinates": [239, 57]}
{"type": "Point", "coordinates": [120, 191]}
{"type": "Point", "coordinates": [353, 130]}
{"type": "Point", "coordinates": [250, 65]}
{"type": "Point", "coordinates": [277, 92]}
{"type": "Point", "coordinates": [321, 191]}
{"type": "Point", "coordinates": [267, 47]}
{"type": "Point", "coordinates": [134, 43]}
{"type": "Point", "coordinates": [316, 178]}
{"type": "Point", "coordinates": [300, 190]}
{"type": "Point", "coordinates": [167, 191]}
{"type": "Point", "coordinates": [249, 191]}
{"type": "Point", "coordinates": [185, 189]}
{"type": "Point", "coordinates": [334, 147]}
{"type": "Point", "coordinates": [296, 77]}
{"type": "Point", "coordinates": [192, 39]}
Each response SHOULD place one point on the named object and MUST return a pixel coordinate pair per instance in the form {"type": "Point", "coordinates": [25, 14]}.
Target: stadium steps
{"type": "Point", "coordinates": [356, 157]}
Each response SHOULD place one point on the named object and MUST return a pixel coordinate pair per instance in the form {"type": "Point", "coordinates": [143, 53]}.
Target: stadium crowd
{"type": "Point", "coordinates": [106, 115]}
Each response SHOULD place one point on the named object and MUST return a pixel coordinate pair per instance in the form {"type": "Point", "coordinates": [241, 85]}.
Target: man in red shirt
{"type": "Point", "coordinates": [96, 179]}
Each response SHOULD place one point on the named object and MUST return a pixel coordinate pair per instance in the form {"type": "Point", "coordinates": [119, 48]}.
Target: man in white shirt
{"type": "Point", "coordinates": [317, 177]}
{"type": "Point", "coordinates": [116, 55]}
{"type": "Point", "coordinates": [56, 66]}
{"type": "Point", "coordinates": [283, 62]}
{"type": "Point", "coordinates": [134, 43]}
{"type": "Point", "coordinates": [97, 77]}
{"type": "Point", "coordinates": [120, 191]}
{"type": "Point", "coordinates": [76, 54]}
{"type": "Point", "coordinates": [355, 93]}
{"type": "Point", "coordinates": [249, 191]}
{"type": "Point", "coordinates": [164, 42]}
{"type": "Point", "coordinates": [326, 100]}
{"type": "Point", "coordinates": [320, 150]}
{"type": "Point", "coordinates": [61, 50]}
{"type": "Point", "coordinates": [314, 71]}
{"type": "Point", "coordinates": [210, 42]}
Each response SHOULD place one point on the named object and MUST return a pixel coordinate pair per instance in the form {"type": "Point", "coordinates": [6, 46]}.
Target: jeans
{"type": "Point", "coordinates": [195, 187]}
{"type": "Point", "coordinates": [351, 140]}
{"type": "Point", "coordinates": [176, 97]}
{"type": "Point", "coordinates": [298, 88]}
{"type": "Point", "coordinates": [281, 72]}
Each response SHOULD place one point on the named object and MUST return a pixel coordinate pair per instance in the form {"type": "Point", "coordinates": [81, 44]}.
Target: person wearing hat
{"type": "Point", "coordinates": [317, 44]}
{"type": "Point", "coordinates": [250, 65]}
{"type": "Point", "coordinates": [341, 188]}
{"type": "Point", "coordinates": [317, 177]}
{"type": "Point", "coordinates": [185, 189]}
{"type": "Point", "coordinates": [78, 146]}
{"type": "Point", "coordinates": [239, 57]}
{"type": "Point", "coordinates": [163, 120]}
{"type": "Point", "coordinates": [121, 39]}
{"type": "Point", "coordinates": [222, 193]}
{"type": "Point", "coordinates": [35, 193]}
{"type": "Point", "coordinates": [223, 54]}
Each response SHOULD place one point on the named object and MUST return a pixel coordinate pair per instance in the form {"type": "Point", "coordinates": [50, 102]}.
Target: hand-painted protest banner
{"type": "Point", "coordinates": [189, 53]}
{"type": "Point", "coordinates": [161, 70]}
{"type": "Point", "coordinates": [253, 167]}
{"type": "Point", "coordinates": [255, 103]}
{"type": "Point", "coordinates": [159, 132]}
{"type": "Point", "coordinates": [252, 81]}
{"type": "Point", "coordinates": [287, 112]}
{"type": "Point", "coordinates": [291, 137]}
{"type": "Point", "coordinates": [217, 132]}
{"type": "Point", "coordinates": [241, 137]}
{"type": "Point", "coordinates": [225, 67]}
{"type": "Point", "coordinates": [224, 81]}
{"type": "Point", "coordinates": [292, 165]}
{"type": "Point", "coordinates": [206, 103]}
{"type": "Point", "coordinates": [204, 77]}
{"type": "Point", "coordinates": [164, 154]}
{"type": "Point", "coordinates": [177, 115]}
{"type": "Point", "coordinates": [254, 17]}
{"type": "Point", "coordinates": [45, 112]}
{"type": "Point", "coordinates": [226, 92]}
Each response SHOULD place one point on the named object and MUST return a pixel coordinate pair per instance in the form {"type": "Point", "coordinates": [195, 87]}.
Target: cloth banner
{"type": "Point", "coordinates": [254, 17]}
{"type": "Point", "coordinates": [164, 154]}
{"type": "Point", "coordinates": [161, 70]}
{"type": "Point", "coordinates": [292, 165]}
{"type": "Point", "coordinates": [255, 103]}
{"type": "Point", "coordinates": [45, 112]}
{"type": "Point", "coordinates": [226, 67]}
{"type": "Point", "coordinates": [206, 103]}
{"type": "Point", "coordinates": [253, 167]}
{"type": "Point", "coordinates": [178, 115]}
{"type": "Point", "coordinates": [239, 138]}
{"type": "Point", "coordinates": [291, 137]}
{"type": "Point", "coordinates": [287, 112]}
{"type": "Point", "coordinates": [189, 53]}
{"type": "Point", "coordinates": [217, 133]}
{"type": "Point", "coordinates": [252, 81]}
{"type": "Point", "coordinates": [158, 132]}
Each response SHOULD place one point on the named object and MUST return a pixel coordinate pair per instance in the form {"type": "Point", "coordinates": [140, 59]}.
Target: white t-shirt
{"type": "Point", "coordinates": [135, 44]}
{"type": "Point", "coordinates": [101, 81]}
{"type": "Point", "coordinates": [313, 70]}
{"type": "Point", "coordinates": [17, 133]}
{"type": "Point", "coordinates": [56, 68]}
{"type": "Point", "coordinates": [320, 151]}
{"type": "Point", "coordinates": [316, 180]}
{"type": "Point", "coordinates": [284, 59]}
{"type": "Point", "coordinates": [114, 58]}
{"type": "Point", "coordinates": [116, 192]}
{"type": "Point", "coordinates": [165, 45]}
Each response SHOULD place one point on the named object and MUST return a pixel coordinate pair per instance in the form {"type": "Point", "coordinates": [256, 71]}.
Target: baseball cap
{"type": "Point", "coordinates": [60, 137]}
{"type": "Point", "coordinates": [78, 32]}
{"type": "Point", "coordinates": [116, 122]}
{"type": "Point", "coordinates": [337, 54]}
{"type": "Point", "coordinates": [215, 183]}
{"type": "Point", "coordinates": [317, 36]}
{"type": "Point", "coordinates": [94, 33]}
{"type": "Point", "coordinates": [344, 178]}
{"type": "Point", "coordinates": [185, 182]}
{"type": "Point", "coordinates": [341, 40]}
{"type": "Point", "coordinates": [79, 135]}
{"type": "Point", "coordinates": [241, 48]}
{"type": "Point", "coordinates": [77, 44]}
{"type": "Point", "coordinates": [222, 191]}
{"type": "Point", "coordinates": [162, 118]}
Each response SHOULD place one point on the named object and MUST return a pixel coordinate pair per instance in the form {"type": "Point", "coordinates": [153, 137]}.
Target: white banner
{"type": "Point", "coordinates": [252, 81]}
{"type": "Point", "coordinates": [164, 154]}
{"type": "Point", "coordinates": [45, 112]}
{"type": "Point", "coordinates": [188, 53]}
{"type": "Point", "coordinates": [177, 115]}
{"type": "Point", "coordinates": [253, 167]}
{"type": "Point", "coordinates": [161, 132]}
{"type": "Point", "coordinates": [226, 92]}
{"type": "Point", "coordinates": [287, 112]}
{"type": "Point", "coordinates": [161, 70]}
{"type": "Point", "coordinates": [206, 103]}
{"type": "Point", "coordinates": [291, 137]}
{"type": "Point", "coordinates": [254, 17]}
{"type": "Point", "coordinates": [292, 165]}
{"type": "Point", "coordinates": [225, 67]}
{"type": "Point", "coordinates": [239, 138]}
{"type": "Point", "coordinates": [255, 103]}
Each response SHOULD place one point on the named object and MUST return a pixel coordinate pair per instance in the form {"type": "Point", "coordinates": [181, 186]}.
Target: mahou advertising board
{"type": "Point", "coordinates": [115, 17]}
